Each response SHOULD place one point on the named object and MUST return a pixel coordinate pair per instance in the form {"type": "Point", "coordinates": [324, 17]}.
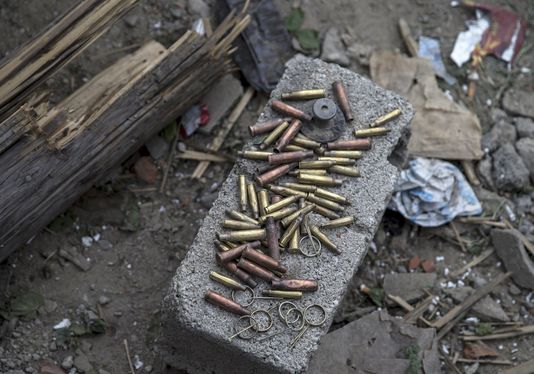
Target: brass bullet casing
{"type": "Point", "coordinates": [273, 135]}
{"type": "Point", "coordinates": [288, 135]}
{"type": "Point", "coordinates": [299, 187]}
{"type": "Point", "coordinates": [275, 173]}
{"type": "Point", "coordinates": [281, 204]}
{"type": "Point", "coordinates": [294, 148]}
{"type": "Point", "coordinates": [350, 145]}
{"type": "Point", "coordinates": [316, 164]}
{"type": "Point", "coordinates": [241, 216]}
{"type": "Point", "coordinates": [340, 222]}
{"type": "Point", "coordinates": [239, 225]}
{"type": "Point", "coordinates": [288, 110]}
{"type": "Point", "coordinates": [279, 214]}
{"type": "Point", "coordinates": [226, 281]}
{"type": "Point", "coordinates": [263, 127]}
{"type": "Point", "coordinates": [273, 249]}
{"type": "Point", "coordinates": [319, 180]}
{"type": "Point", "coordinates": [344, 170]}
{"type": "Point", "coordinates": [282, 294]}
{"type": "Point", "coordinates": [325, 212]}
{"type": "Point", "coordinates": [325, 194]}
{"type": "Point", "coordinates": [230, 244]}
{"type": "Point", "coordinates": [305, 94]}
{"type": "Point", "coordinates": [305, 220]}
{"type": "Point", "coordinates": [297, 172]}
{"type": "Point", "coordinates": [290, 231]}
{"type": "Point", "coordinates": [221, 247]}
{"type": "Point", "coordinates": [375, 131]}
{"type": "Point", "coordinates": [263, 201]}
{"type": "Point", "coordinates": [299, 213]}
{"type": "Point", "coordinates": [243, 235]}
{"type": "Point", "coordinates": [341, 96]}
{"type": "Point", "coordinates": [243, 199]}
{"type": "Point", "coordinates": [255, 155]}
{"type": "Point", "coordinates": [253, 200]}
{"type": "Point", "coordinates": [231, 267]}
{"type": "Point", "coordinates": [312, 198]}
{"type": "Point", "coordinates": [338, 160]}
{"type": "Point", "coordinates": [344, 154]}
{"type": "Point", "coordinates": [222, 302]}
{"type": "Point", "coordinates": [263, 260]}
{"type": "Point", "coordinates": [287, 157]}
{"type": "Point", "coordinates": [256, 270]}
{"type": "Point", "coordinates": [302, 285]}
{"type": "Point", "coordinates": [293, 245]}
{"type": "Point", "coordinates": [285, 191]}
{"type": "Point", "coordinates": [236, 252]}
{"type": "Point", "coordinates": [382, 120]}
{"type": "Point", "coordinates": [325, 240]}
{"type": "Point", "coordinates": [306, 143]}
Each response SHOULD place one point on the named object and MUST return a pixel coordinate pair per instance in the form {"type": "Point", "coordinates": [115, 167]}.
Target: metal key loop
{"type": "Point", "coordinates": [316, 251]}
{"type": "Point", "coordinates": [309, 322]}
{"type": "Point", "coordinates": [255, 325]}
{"type": "Point", "coordinates": [251, 298]}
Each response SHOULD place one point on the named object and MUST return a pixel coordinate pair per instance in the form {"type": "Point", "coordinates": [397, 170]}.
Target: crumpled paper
{"type": "Point", "coordinates": [441, 128]}
{"type": "Point", "coordinates": [432, 192]}
{"type": "Point", "coordinates": [467, 40]}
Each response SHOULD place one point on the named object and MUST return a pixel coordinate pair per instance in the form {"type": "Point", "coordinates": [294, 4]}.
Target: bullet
{"type": "Point", "coordinates": [281, 204]}
{"type": "Point", "coordinates": [273, 135]}
{"type": "Point", "coordinates": [297, 172]}
{"type": "Point", "coordinates": [345, 154]}
{"type": "Point", "coordinates": [341, 96]}
{"type": "Point", "coordinates": [282, 294]}
{"type": "Point", "coordinates": [340, 222]}
{"type": "Point", "coordinates": [274, 173]}
{"type": "Point", "coordinates": [263, 127]}
{"type": "Point", "coordinates": [263, 260]}
{"type": "Point", "coordinates": [351, 145]}
{"type": "Point", "coordinates": [316, 164]}
{"type": "Point", "coordinates": [279, 214]}
{"type": "Point", "coordinates": [224, 303]}
{"type": "Point", "coordinates": [287, 157]}
{"type": "Point", "coordinates": [339, 160]}
{"type": "Point", "coordinates": [221, 246]}
{"type": "Point", "coordinates": [324, 203]}
{"type": "Point", "coordinates": [255, 155]}
{"type": "Point", "coordinates": [290, 231]}
{"type": "Point", "coordinates": [344, 170]}
{"type": "Point", "coordinates": [294, 148]}
{"type": "Point", "coordinates": [243, 200]}
{"type": "Point", "coordinates": [231, 267]}
{"type": "Point", "coordinates": [256, 270]}
{"type": "Point", "coordinates": [320, 180]}
{"type": "Point", "coordinates": [303, 285]}
{"type": "Point", "coordinates": [253, 200]}
{"type": "Point", "coordinates": [304, 94]}
{"type": "Point", "coordinates": [240, 216]}
{"type": "Point", "coordinates": [239, 225]}
{"type": "Point", "coordinates": [325, 212]}
{"type": "Point", "coordinates": [324, 239]}
{"type": "Point", "coordinates": [263, 200]}
{"type": "Point", "coordinates": [288, 135]}
{"type": "Point", "coordinates": [284, 191]}
{"type": "Point", "coordinates": [230, 244]}
{"type": "Point", "coordinates": [289, 110]}
{"type": "Point", "coordinates": [293, 245]}
{"type": "Point", "coordinates": [386, 118]}
{"type": "Point", "coordinates": [235, 253]}
{"type": "Point", "coordinates": [375, 131]}
{"type": "Point", "coordinates": [273, 249]}
{"type": "Point", "coordinates": [243, 235]}
{"type": "Point", "coordinates": [305, 220]}
{"type": "Point", "coordinates": [299, 187]}
{"type": "Point", "coordinates": [306, 143]}
{"type": "Point", "coordinates": [294, 216]}
{"type": "Point", "coordinates": [226, 281]}
{"type": "Point", "coordinates": [325, 194]}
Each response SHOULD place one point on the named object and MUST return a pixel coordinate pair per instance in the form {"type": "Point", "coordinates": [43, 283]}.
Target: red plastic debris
{"type": "Point", "coordinates": [428, 266]}
{"type": "Point", "coordinates": [414, 263]}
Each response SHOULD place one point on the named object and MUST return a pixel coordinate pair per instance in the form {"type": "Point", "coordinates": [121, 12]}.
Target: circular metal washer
{"type": "Point", "coordinates": [252, 329]}
{"type": "Point", "coordinates": [310, 254]}
{"type": "Point", "coordinates": [247, 290]}
{"type": "Point", "coordinates": [324, 109]}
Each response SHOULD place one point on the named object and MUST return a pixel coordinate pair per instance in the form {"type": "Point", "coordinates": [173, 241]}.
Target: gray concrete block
{"type": "Point", "coordinates": [195, 332]}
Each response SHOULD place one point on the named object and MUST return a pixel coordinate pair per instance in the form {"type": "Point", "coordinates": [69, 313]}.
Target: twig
{"type": "Point", "coordinates": [169, 163]}
{"type": "Point", "coordinates": [409, 41]}
{"type": "Point", "coordinates": [458, 237]}
{"type": "Point", "coordinates": [410, 309]}
{"type": "Point", "coordinates": [142, 190]}
{"type": "Point", "coordinates": [482, 221]}
{"type": "Point", "coordinates": [128, 355]}
{"type": "Point", "coordinates": [470, 301]}
{"type": "Point", "coordinates": [477, 260]}
{"type": "Point", "coordinates": [524, 368]}
{"type": "Point", "coordinates": [524, 330]}
{"type": "Point", "coordinates": [469, 170]}
{"type": "Point", "coordinates": [223, 132]}
{"type": "Point", "coordinates": [417, 313]}
{"type": "Point", "coordinates": [493, 362]}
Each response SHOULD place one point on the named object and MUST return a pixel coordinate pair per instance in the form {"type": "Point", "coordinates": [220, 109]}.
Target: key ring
{"type": "Point", "coordinates": [309, 321]}
{"type": "Point", "coordinates": [300, 316]}
{"type": "Point", "coordinates": [247, 290]}
{"type": "Point", "coordinates": [310, 254]}
{"type": "Point", "coordinates": [269, 318]}
{"type": "Point", "coordinates": [281, 306]}
{"type": "Point", "coordinates": [239, 333]}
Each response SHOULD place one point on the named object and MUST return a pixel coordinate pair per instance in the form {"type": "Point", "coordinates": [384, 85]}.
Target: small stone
{"type": "Point", "coordinates": [518, 101]}
{"type": "Point", "coordinates": [414, 263]}
{"type": "Point", "coordinates": [148, 369]}
{"type": "Point", "coordinates": [198, 8]}
{"type": "Point", "coordinates": [361, 53]}
{"type": "Point", "coordinates": [409, 286]}
{"type": "Point", "coordinates": [509, 170]}
{"type": "Point", "coordinates": [181, 147]}
{"type": "Point", "coordinates": [486, 309]}
{"type": "Point", "coordinates": [50, 368]}
{"type": "Point", "coordinates": [67, 363]}
{"type": "Point", "coordinates": [511, 251]}
{"type": "Point", "coordinates": [82, 362]}
{"type": "Point", "coordinates": [523, 203]}
{"type": "Point", "coordinates": [497, 114]}
{"type": "Point", "coordinates": [333, 48]}
{"type": "Point", "coordinates": [525, 127]}
{"type": "Point", "coordinates": [117, 314]}
{"type": "Point", "coordinates": [514, 290]}
{"type": "Point", "coordinates": [428, 266]}
{"type": "Point", "coordinates": [502, 132]}
{"type": "Point", "coordinates": [105, 245]}
{"type": "Point", "coordinates": [131, 20]}
{"type": "Point", "coordinates": [52, 347]}
{"type": "Point", "coordinates": [103, 300]}
{"type": "Point", "coordinates": [87, 241]}
{"type": "Point", "coordinates": [484, 172]}
{"type": "Point", "coordinates": [146, 170]}
{"type": "Point", "coordinates": [525, 148]}
{"type": "Point", "coordinates": [157, 147]}
{"type": "Point", "coordinates": [72, 255]}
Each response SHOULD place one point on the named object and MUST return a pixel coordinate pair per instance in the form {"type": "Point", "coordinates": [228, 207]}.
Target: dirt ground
{"type": "Point", "coordinates": [130, 267]}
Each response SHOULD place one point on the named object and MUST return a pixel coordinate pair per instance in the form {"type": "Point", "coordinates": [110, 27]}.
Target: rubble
{"type": "Point", "coordinates": [511, 251]}
{"type": "Point", "coordinates": [409, 286]}
{"type": "Point", "coordinates": [501, 133]}
{"type": "Point", "coordinates": [333, 49]}
{"type": "Point", "coordinates": [525, 127]}
{"type": "Point", "coordinates": [525, 148]}
{"type": "Point", "coordinates": [518, 101]}
{"type": "Point", "coordinates": [486, 309]}
{"type": "Point", "coordinates": [157, 147]}
{"type": "Point", "coordinates": [509, 170]}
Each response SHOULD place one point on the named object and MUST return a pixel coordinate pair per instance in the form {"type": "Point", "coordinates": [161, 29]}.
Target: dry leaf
{"type": "Point", "coordinates": [476, 350]}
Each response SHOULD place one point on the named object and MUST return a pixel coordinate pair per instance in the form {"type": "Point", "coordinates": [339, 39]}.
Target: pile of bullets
{"type": "Point", "coordinates": [274, 218]}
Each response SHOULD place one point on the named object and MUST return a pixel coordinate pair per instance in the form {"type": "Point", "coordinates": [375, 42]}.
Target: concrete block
{"type": "Point", "coordinates": [195, 332]}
